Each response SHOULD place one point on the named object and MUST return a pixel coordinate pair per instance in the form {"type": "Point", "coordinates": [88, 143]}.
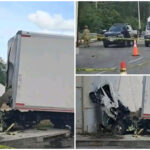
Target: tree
{"type": "Point", "coordinates": [108, 13]}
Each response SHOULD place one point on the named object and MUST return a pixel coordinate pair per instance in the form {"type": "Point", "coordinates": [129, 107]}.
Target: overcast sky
{"type": "Point", "coordinates": [48, 17]}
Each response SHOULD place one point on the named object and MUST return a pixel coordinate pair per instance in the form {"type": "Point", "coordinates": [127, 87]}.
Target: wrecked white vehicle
{"type": "Point", "coordinates": [115, 114]}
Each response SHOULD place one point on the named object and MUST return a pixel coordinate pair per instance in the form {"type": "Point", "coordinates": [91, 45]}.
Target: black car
{"type": "Point", "coordinates": [117, 33]}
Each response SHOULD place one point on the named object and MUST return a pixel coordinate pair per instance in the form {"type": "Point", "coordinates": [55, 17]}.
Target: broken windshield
{"type": "Point", "coordinates": [106, 88]}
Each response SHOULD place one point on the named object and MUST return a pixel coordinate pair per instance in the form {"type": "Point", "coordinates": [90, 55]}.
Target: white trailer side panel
{"type": "Point", "coordinates": [45, 77]}
{"type": "Point", "coordinates": [146, 99]}
{"type": "Point", "coordinates": [130, 91]}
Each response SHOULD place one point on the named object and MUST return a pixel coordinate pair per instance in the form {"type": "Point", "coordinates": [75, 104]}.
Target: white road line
{"type": "Point", "coordinates": [115, 67]}
{"type": "Point", "coordinates": [107, 71]}
{"type": "Point", "coordinates": [131, 61]}
{"type": "Point", "coordinates": [135, 60]}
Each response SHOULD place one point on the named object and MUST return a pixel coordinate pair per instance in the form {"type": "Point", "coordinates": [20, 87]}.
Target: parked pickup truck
{"type": "Point", "coordinates": [117, 33]}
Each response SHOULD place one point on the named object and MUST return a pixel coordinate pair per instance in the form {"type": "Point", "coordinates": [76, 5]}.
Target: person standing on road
{"type": "Point", "coordinates": [86, 36]}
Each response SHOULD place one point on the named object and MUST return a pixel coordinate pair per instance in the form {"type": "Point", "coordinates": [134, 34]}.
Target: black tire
{"type": "Point", "coordinates": [105, 44]}
{"type": "Point", "coordinates": [119, 128]}
{"type": "Point", "coordinates": [146, 44]}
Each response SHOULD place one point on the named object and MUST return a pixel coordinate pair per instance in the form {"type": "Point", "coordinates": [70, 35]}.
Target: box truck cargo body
{"type": "Point", "coordinates": [137, 97]}
{"type": "Point", "coordinates": [145, 112]}
{"type": "Point", "coordinates": [40, 75]}
{"type": "Point", "coordinates": [41, 72]}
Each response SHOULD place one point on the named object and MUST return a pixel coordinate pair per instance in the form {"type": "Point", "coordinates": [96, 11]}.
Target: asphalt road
{"type": "Point", "coordinates": [96, 56]}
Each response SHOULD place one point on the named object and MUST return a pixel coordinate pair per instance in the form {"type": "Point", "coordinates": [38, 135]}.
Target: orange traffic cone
{"type": "Point", "coordinates": [135, 49]}
{"type": "Point", "coordinates": [123, 69]}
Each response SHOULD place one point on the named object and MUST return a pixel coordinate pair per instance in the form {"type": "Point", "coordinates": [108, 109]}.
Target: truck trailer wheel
{"type": "Point", "coordinates": [119, 128]}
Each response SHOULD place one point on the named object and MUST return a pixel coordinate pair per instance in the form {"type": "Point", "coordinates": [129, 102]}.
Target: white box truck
{"type": "Point", "coordinates": [40, 78]}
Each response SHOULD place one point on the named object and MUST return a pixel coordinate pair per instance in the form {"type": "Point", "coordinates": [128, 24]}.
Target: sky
{"type": "Point", "coordinates": [44, 17]}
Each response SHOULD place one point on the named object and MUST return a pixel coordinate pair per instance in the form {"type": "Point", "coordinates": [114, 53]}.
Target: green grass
{"type": "Point", "coordinates": [5, 147]}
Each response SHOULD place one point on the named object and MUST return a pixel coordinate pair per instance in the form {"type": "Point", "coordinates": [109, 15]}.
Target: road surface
{"type": "Point", "coordinates": [112, 142]}
{"type": "Point", "coordinates": [109, 59]}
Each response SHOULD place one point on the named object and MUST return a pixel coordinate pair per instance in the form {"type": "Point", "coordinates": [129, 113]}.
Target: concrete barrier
{"type": "Point", "coordinates": [52, 138]}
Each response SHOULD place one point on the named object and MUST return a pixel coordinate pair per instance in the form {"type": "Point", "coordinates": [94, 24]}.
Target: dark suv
{"type": "Point", "coordinates": [117, 33]}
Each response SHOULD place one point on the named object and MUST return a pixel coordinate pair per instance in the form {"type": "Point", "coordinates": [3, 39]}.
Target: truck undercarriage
{"type": "Point", "coordinates": [29, 119]}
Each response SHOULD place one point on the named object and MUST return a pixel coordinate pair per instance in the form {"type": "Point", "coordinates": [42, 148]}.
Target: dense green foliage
{"type": "Point", "coordinates": [2, 74]}
{"type": "Point", "coordinates": [101, 15]}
